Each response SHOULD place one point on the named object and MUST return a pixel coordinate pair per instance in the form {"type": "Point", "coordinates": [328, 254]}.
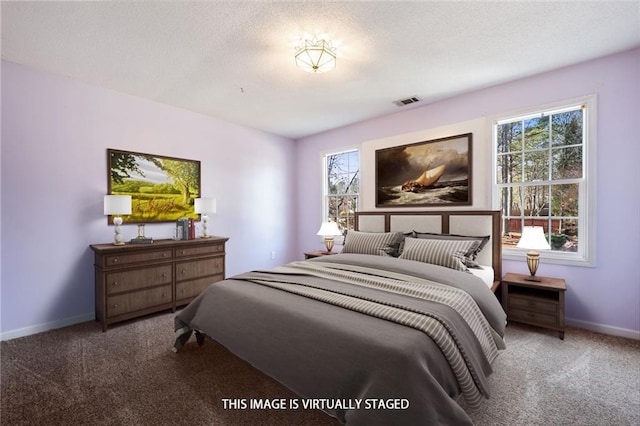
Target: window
{"type": "Point", "coordinates": [542, 179]}
{"type": "Point", "coordinates": [341, 187]}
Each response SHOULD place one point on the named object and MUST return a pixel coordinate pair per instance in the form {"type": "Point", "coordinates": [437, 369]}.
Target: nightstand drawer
{"type": "Point", "coordinates": [136, 279]}
{"type": "Point", "coordinates": [545, 306]}
{"type": "Point", "coordinates": [533, 318]}
{"type": "Point", "coordinates": [138, 300]}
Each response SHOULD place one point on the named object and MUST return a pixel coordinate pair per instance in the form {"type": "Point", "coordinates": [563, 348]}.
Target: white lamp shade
{"type": "Point", "coordinates": [204, 205]}
{"type": "Point", "coordinates": [533, 239]}
{"type": "Point", "coordinates": [329, 229]}
{"type": "Point", "coordinates": [117, 204]}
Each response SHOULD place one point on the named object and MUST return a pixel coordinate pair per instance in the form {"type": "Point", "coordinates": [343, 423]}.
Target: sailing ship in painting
{"type": "Point", "coordinates": [425, 180]}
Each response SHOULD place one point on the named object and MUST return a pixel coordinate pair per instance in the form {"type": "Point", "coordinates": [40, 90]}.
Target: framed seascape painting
{"type": "Point", "coordinates": [430, 173]}
{"type": "Point", "coordinates": [162, 188]}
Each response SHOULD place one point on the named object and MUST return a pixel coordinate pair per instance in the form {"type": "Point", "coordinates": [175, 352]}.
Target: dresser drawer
{"type": "Point", "coordinates": [546, 306]}
{"type": "Point", "coordinates": [534, 318]}
{"type": "Point", "coordinates": [130, 258]}
{"type": "Point", "coordinates": [199, 250]}
{"type": "Point", "coordinates": [130, 302]}
{"type": "Point", "coordinates": [199, 268]}
{"type": "Point", "coordinates": [190, 289]}
{"type": "Point", "coordinates": [135, 279]}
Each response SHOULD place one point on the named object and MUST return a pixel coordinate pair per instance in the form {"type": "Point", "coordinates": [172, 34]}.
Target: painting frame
{"type": "Point", "coordinates": [162, 188]}
{"type": "Point", "coordinates": [429, 173]}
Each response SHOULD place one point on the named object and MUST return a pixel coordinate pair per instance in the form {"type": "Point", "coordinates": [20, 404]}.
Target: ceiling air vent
{"type": "Point", "coordinates": [408, 101]}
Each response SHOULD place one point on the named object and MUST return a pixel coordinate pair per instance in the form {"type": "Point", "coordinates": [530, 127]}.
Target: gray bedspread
{"type": "Point", "coordinates": [360, 328]}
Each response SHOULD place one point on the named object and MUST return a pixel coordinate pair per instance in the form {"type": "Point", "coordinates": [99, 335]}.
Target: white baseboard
{"type": "Point", "coordinates": [602, 328]}
{"type": "Point", "coordinates": [40, 328]}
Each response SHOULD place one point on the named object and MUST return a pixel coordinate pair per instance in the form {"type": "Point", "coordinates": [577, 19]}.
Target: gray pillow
{"type": "Point", "coordinates": [471, 255]}
{"type": "Point", "coordinates": [376, 243]}
{"type": "Point", "coordinates": [447, 253]}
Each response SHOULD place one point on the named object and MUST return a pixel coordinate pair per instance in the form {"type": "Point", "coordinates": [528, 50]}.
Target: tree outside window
{"type": "Point", "coordinates": [342, 178]}
{"type": "Point", "coordinates": [540, 175]}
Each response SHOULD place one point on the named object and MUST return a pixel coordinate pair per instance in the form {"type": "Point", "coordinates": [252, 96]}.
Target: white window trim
{"type": "Point", "coordinates": [587, 204]}
{"type": "Point", "coordinates": [323, 164]}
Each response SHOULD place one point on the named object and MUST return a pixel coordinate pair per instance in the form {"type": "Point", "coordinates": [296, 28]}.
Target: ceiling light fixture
{"type": "Point", "coordinates": [315, 56]}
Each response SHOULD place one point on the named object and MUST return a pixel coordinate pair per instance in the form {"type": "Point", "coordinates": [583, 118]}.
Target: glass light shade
{"type": "Point", "coordinates": [117, 204]}
{"type": "Point", "coordinates": [329, 229]}
{"type": "Point", "coordinates": [204, 205]}
{"type": "Point", "coordinates": [533, 239]}
{"type": "Point", "coordinates": [315, 56]}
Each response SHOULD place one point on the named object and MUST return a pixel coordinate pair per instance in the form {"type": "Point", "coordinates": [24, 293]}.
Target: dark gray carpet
{"type": "Point", "coordinates": [129, 376]}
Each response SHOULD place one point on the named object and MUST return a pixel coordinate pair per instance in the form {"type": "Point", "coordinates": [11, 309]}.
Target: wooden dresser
{"type": "Point", "coordinates": [138, 279]}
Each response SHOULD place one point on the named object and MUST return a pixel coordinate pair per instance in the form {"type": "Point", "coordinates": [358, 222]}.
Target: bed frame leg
{"type": "Point", "coordinates": [199, 338]}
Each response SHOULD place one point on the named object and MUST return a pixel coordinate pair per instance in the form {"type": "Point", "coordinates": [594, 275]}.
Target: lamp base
{"type": "Point", "coordinates": [533, 260]}
{"type": "Point", "coordinates": [328, 243]}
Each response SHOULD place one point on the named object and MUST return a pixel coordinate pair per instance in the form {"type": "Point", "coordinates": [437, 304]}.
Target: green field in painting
{"type": "Point", "coordinates": [152, 206]}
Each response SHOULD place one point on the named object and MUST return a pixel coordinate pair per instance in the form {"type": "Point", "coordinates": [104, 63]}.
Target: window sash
{"type": "Point", "coordinates": [553, 179]}
{"type": "Point", "coordinates": [351, 170]}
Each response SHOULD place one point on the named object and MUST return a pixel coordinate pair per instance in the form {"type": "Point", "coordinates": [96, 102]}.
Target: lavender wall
{"type": "Point", "coordinates": [604, 298]}
{"type": "Point", "coordinates": [55, 132]}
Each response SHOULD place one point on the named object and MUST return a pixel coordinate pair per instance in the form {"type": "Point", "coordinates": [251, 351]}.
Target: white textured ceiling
{"type": "Point", "coordinates": [234, 60]}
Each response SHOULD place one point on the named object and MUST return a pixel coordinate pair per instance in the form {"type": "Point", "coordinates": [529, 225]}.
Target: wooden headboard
{"type": "Point", "coordinates": [461, 222]}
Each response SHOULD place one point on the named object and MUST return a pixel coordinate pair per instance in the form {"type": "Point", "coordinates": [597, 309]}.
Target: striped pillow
{"type": "Point", "coordinates": [470, 256]}
{"type": "Point", "coordinates": [376, 243]}
{"type": "Point", "coordinates": [448, 253]}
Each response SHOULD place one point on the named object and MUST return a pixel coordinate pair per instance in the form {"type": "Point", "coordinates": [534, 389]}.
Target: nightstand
{"type": "Point", "coordinates": [539, 303]}
{"type": "Point", "coordinates": [318, 253]}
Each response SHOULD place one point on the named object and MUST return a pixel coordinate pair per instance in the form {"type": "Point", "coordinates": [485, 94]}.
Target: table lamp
{"type": "Point", "coordinates": [533, 239]}
{"type": "Point", "coordinates": [203, 206]}
{"type": "Point", "coordinates": [328, 230]}
{"type": "Point", "coordinates": [117, 205]}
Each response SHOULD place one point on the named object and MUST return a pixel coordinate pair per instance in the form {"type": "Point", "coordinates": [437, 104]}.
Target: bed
{"type": "Point", "coordinates": [393, 330]}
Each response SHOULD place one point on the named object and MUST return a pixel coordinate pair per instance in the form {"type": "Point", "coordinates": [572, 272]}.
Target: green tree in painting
{"type": "Point", "coordinates": [185, 176]}
{"type": "Point", "coordinates": [121, 165]}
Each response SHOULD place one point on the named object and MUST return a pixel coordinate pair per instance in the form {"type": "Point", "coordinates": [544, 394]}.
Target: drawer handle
{"type": "Point", "coordinates": [183, 271]}
{"type": "Point", "coordinates": [115, 305]}
{"type": "Point", "coordinates": [115, 283]}
{"type": "Point", "coordinates": [184, 252]}
{"type": "Point", "coordinates": [164, 254]}
{"type": "Point", "coordinates": [115, 260]}
{"type": "Point", "coordinates": [164, 275]}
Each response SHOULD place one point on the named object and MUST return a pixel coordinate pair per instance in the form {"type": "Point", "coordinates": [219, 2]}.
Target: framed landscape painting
{"type": "Point", "coordinates": [162, 188]}
{"type": "Point", "coordinates": [429, 173]}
